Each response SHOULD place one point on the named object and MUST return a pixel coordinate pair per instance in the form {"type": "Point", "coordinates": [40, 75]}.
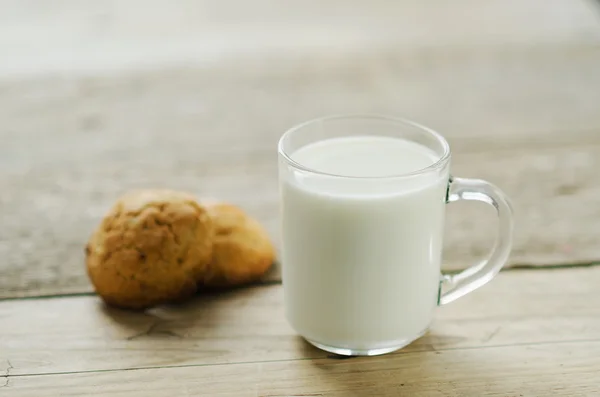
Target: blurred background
{"type": "Point", "coordinates": [98, 97]}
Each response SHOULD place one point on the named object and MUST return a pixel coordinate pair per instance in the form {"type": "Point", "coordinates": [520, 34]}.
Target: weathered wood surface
{"type": "Point", "coordinates": [527, 120]}
{"type": "Point", "coordinates": [100, 97]}
{"type": "Point", "coordinates": [527, 333]}
{"type": "Point", "coordinates": [48, 335]}
{"type": "Point", "coordinates": [568, 370]}
{"type": "Point", "coordinates": [97, 98]}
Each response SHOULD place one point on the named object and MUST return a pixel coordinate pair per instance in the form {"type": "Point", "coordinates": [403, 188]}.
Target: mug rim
{"type": "Point", "coordinates": [440, 163]}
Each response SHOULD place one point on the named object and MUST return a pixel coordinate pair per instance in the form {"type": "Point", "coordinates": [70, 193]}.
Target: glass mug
{"type": "Point", "coordinates": [363, 202]}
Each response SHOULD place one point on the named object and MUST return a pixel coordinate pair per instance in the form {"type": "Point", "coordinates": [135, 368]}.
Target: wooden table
{"type": "Point", "coordinates": [529, 333]}
{"type": "Point", "coordinates": [100, 97]}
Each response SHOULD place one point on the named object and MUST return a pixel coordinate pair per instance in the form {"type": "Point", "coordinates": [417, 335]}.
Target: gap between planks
{"type": "Point", "coordinates": [247, 327]}
{"type": "Point", "coordinates": [330, 357]}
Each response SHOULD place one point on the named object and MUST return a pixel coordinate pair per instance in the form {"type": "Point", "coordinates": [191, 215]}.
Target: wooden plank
{"type": "Point", "coordinates": [553, 190]}
{"type": "Point", "coordinates": [563, 369]}
{"type": "Point", "coordinates": [76, 36]}
{"type": "Point", "coordinates": [527, 370]}
{"type": "Point", "coordinates": [71, 145]}
{"type": "Point", "coordinates": [78, 334]}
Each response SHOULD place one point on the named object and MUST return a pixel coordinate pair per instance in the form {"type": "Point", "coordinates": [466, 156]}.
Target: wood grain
{"type": "Point", "coordinates": [71, 145]}
{"type": "Point", "coordinates": [527, 333]}
{"type": "Point", "coordinates": [63, 335]}
{"type": "Point", "coordinates": [98, 97]}
{"type": "Point", "coordinates": [568, 369]}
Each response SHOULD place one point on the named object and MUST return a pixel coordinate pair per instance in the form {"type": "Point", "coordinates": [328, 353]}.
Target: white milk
{"type": "Point", "coordinates": [361, 257]}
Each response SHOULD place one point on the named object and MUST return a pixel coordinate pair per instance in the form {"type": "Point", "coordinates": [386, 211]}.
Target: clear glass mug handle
{"type": "Point", "coordinates": [479, 274]}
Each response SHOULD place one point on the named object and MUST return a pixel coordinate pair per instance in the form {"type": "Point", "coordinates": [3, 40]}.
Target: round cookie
{"type": "Point", "coordinates": [151, 248]}
{"type": "Point", "coordinates": [242, 250]}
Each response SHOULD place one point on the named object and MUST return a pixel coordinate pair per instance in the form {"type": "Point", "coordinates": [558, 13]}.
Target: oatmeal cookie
{"type": "Point", "coordinates": [242, 250]}
{"type": "Point", "coordinates": [151, 248]}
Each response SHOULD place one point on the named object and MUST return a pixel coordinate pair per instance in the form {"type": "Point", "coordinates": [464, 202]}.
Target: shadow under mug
{"type": "Point", "coordinates": [361, 255]}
